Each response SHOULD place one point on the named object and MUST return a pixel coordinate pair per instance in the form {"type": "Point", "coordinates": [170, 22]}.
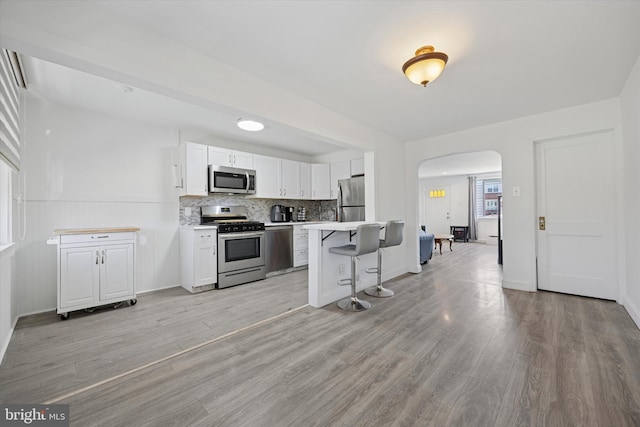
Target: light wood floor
{"type": "Point", "coordinates": [451, 348]}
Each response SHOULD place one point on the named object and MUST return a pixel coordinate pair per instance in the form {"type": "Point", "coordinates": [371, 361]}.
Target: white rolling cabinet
{"type": "Point", "coordinates": [95, 267]}
{"type": "Point", "coordinates": [300, 246]}
{"type": "Point", "coordinates": [198, 256]}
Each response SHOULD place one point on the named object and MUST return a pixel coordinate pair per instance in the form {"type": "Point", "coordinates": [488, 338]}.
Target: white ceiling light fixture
{"type": "Point", "coordinates": [250, 125]}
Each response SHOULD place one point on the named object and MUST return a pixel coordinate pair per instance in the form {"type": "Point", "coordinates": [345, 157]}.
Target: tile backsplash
{"type": "Point", "coordinates": [259, 209]}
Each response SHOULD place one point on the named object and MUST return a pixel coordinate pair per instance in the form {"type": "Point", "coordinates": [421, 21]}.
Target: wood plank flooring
{"type": "Point", "coordinates": [451, 348]}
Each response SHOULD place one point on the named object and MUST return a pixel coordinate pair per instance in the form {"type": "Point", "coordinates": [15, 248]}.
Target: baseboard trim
{"type": "Point", "coordinates": [518, 286]}
{"type": "Point", "coordinates": [633, 311]}
{"type": "Point", "coordinates": [7, 340]}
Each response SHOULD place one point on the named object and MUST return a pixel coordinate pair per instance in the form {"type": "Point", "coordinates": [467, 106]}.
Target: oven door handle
{"type": "Point", "coordinates": [242, 235]}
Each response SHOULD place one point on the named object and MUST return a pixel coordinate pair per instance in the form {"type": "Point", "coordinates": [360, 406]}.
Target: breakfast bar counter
{"type": "Point", "coordinates": [325, 269]}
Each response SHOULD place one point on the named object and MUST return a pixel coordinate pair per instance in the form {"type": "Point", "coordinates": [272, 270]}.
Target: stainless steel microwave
{"type": "Point", "coordinates": [224, 179]}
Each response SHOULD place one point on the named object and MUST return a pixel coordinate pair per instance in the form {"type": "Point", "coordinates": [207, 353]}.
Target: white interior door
{"type": "Point", "coordinates": [575, 201]}
{"type": "Point", "coordinates": [438, 210]}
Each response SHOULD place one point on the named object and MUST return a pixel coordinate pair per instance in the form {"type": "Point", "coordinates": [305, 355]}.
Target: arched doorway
{"type": "Point", "coordinates": [461, 194]}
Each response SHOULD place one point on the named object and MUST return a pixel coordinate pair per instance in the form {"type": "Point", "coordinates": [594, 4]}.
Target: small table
{"type": "Point", "coordinates": [439, 238]}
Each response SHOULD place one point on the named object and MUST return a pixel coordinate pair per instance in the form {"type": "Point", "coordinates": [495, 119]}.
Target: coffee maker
{"type": "Point", "coordinates": [289, 213]}
{"type": "Point", "coordinates": [278, 213]}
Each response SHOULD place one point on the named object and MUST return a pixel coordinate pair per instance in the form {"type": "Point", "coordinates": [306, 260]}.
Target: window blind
{"type": "Point", "coordinates": [9, 113]}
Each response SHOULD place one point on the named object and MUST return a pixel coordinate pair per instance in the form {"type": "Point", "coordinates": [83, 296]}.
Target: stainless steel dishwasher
{"type": "Point", "coordinates": [279, 242]}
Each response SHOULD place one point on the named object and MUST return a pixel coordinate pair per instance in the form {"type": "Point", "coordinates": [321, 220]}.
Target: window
{"type": "Point", "coordinates": [487, 193]}
{"type": "Point", "coordinates": [5, 204]}
{"type": "Point", "coordinates": [491, 205]}
{"type": "Point", "coordinates": [492, 187]}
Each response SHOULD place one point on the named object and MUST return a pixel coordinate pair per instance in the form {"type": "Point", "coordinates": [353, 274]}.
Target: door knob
{"type": "Point", "coordinates": [541, 223]}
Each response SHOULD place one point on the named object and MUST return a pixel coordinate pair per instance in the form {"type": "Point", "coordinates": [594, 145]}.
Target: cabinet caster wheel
{"type": "Point", "coordinates": [133, 302]}
{"type": "Point", "coordinates": [64, 316]}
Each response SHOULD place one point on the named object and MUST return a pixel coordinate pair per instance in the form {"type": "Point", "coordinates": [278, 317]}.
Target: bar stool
{"type": "Point", "coordinates": [367, 241]}
{"type": "Point", "coordinates": [392, 237]}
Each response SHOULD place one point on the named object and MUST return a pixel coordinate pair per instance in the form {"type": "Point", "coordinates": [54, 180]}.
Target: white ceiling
{"type": "Point", "coordinates": [461, 164]}
{"type": "Point", "coordinates": [507, 59]}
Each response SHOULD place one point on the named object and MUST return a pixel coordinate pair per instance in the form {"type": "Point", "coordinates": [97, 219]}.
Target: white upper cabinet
{"type": "Point", "coordinates": [320, 181]}
{"type": "Point", "coordinates": [305, 181]}
{"type": "Point", "coordinates": [282, 178]}
{"type": "Point", "coordinates": [339, 170]}
{"type": "Point", "coordinates": [357, 166]}
{"type": "Point", "coordinates": [290, 171]}
{"type": "Point", "coordinates": [268, 180]}
{"type": "Point", "coordinates": [190, 170]}
{"type": "Point", "coordinates": [225, 157]}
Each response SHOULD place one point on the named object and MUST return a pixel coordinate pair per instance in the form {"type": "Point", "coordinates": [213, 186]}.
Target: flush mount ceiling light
{"type": "Point", "coordinates": [250, 125]}
{"type": "Point", "coordinates": [426, 66]}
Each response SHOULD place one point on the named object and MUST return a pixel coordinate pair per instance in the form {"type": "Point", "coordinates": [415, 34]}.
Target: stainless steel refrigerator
{"type": "Point", "coordinates": [351, 199]}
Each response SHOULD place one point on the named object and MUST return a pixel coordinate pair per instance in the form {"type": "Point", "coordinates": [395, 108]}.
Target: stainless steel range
{"type": "Point", "coordinates": [241, 246]}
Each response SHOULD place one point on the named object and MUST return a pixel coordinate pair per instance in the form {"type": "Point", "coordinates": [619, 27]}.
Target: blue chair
{"type": "Point", "coordinates": [367, 241]}
{"type": "Point", "coordinates": [426, 245]}
{"type": "Point", "coordinates": [392, 237]}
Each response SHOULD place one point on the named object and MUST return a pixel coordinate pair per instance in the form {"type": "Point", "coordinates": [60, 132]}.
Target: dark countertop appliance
{"type": "Point", "coordinates": [280, 213]}
{"type": "Point", "coordinates": [241, 245]}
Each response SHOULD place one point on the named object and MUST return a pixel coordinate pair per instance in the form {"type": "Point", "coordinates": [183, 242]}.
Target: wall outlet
{"type": "Point", "coordinates": [341, 269]}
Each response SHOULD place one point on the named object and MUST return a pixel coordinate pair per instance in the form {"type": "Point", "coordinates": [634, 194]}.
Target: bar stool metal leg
{"type": "Point", "coordinates": [378, 291]}
{"type": "Point", "coordinates": [353, 303]}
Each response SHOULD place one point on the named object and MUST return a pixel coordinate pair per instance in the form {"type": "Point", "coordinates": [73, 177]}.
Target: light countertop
{"type": "Point", "coordinates": [340, 226]}
{"type": "Point", "coordinates": [66, 231]}
{"type": "Point", "coordinates": [276, 224]}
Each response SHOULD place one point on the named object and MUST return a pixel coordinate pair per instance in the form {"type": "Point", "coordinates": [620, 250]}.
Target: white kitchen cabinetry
{"type": "Point", "coordinates": [357, 166]}
{"type": "Point", "coordinates": [190, 170]}
{"type": "Point", "coordinates": [320, 181]}
{"type": "Point", "coordinates": [95, 268]}
{"type": "Point", "coordinates": [290, 171]}
{"type": "Point", "coordinates": [268, 180]}
{"type": "Point", "coordinates": [225, 157]}
{"type": "Point", "coordinates": [305, 181]}
{"type": "Point", "coordinates": [198, 257]}
{"type": "Point", "coordinates": [339, 170]}
{"type": "Point", "coordinates": [300, 246]}
{"type": "Point", "coordinates": [277, 178]}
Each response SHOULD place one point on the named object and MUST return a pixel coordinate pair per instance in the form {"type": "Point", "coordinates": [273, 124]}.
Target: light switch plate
{"type": "Point", "coordinates": [187, 211]}
{"type": "Point", "coordinates": [516, 191]}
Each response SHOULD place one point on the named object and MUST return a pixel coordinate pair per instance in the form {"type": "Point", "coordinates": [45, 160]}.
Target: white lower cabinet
{"type": "Point", "coordinates": [95, 269]}
{"type": "Point", "coordinates": [300, 246]}
{"type": "Point", "coordinates": [199, 262]}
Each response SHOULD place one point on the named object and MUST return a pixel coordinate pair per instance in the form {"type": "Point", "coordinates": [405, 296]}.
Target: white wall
{"type": "Point", "coordinates": [85, 169]}
{"type": "Point", "coordinates": [8, 315]}
{"type": "Point", "coordinates": [458, 197]}
{"type": "Point", "coordinates": [514, 140]}
{"type": "Point", "coordinates": [630, 106]}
